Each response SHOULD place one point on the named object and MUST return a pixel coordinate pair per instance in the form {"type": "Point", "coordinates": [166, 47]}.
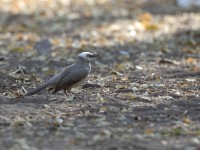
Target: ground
{"type": "Point", "coordinates": [143, 91]}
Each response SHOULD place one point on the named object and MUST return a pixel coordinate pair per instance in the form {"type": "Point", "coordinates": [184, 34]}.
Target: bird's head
{"type": "Point", "coordinates": [87, 56]}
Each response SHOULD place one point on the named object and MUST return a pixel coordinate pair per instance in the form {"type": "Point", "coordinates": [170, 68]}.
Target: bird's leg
{"type": "Point", "coordinates": [50, 88]}
{"type": "Point", "coordinates": [65, 91]}
{"type": "Point", "coordinates": [70, 91]}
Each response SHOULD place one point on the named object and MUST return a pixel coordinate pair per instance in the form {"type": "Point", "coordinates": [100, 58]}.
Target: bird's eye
{"type": "Point", "coordinates": [89, 55]}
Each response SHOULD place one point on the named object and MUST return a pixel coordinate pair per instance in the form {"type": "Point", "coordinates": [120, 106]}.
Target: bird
{"type": "Point", "coordinates": [71, 77]}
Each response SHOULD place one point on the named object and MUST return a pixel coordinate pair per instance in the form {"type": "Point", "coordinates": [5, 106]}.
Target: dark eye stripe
{"type": "Point", "coordinates": [89, 55]}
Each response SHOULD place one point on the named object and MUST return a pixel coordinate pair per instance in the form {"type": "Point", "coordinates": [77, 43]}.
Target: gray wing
{"type": "Point", "coordinates": [74, 76]}
{"type": "Point", "coordinates": [54, 81]}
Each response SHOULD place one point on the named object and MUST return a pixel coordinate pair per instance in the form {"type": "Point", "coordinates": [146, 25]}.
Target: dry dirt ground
{"type": "Point", "coordinates": [148, 75]}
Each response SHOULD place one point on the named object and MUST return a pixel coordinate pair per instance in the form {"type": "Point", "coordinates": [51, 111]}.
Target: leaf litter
{"type": "Point", "coordinates": [144, 87]}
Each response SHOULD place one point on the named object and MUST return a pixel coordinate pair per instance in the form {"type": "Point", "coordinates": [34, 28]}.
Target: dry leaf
{"type": "Point", "coordinates": [145, 17]}
{"type": "Point", "coordinates": [148, 131]}
{"type": "Point", "coordinates": [119, 86]}
{"type": "Point", "coordinates": [130, 96]}
{"type": "Point", "coordinates": [187, 120]}
{"type": "Point", "coordinates": [124, 66]}
{"type": "Point", "coordinates": [147, 20]}
{"type": "Point", "coordinates": [103, 109]}
{"type": "Point", "coordinates": [191, 60]}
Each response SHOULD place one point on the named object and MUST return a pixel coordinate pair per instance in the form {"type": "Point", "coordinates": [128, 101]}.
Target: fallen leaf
{"type": "Point", "coordinates": [16, 48]}
{"type": "Point", "coordinates": [148, 131]}
{"type": "Point", "coordinates": [145, 17]}
{"type": "Point", "coordinates": [147, 20]}
{"type": "Point", "coordinates": [179, 131]}
{"type": "Point", "coordinates": [119, 86]}
{"type": "Point", "coordinates": [191, 60]}
{"type": "Point", "coordinates": [187, 120]}
{"type": "Point", "coordinates": [130, 96]}
{"type": "Point", "coordinates": [103, 109]}
{"type": "Point", "coordinates": [125, 66]}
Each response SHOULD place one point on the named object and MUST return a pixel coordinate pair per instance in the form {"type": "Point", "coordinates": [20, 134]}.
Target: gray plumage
{"type": "Point", "coordinates": [70, 77]}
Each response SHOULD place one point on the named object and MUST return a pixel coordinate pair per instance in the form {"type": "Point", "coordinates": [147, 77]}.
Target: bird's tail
{"type": "Point", "coordinates": [38, 89]}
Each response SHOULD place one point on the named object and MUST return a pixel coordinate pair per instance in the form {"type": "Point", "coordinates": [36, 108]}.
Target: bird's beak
{"type": "Point", "coordinates": [95, 55]}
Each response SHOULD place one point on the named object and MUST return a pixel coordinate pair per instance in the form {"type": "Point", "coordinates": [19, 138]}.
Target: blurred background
{"type": "Point", "coordinates": [133, 31]}
{"type": "Point", "coordinates": [50, 33]}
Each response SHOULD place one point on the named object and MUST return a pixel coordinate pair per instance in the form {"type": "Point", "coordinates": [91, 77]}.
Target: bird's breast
{"type": "Point", "coordinates": [78, 83]}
